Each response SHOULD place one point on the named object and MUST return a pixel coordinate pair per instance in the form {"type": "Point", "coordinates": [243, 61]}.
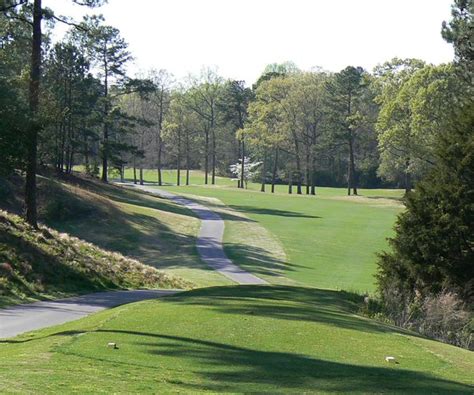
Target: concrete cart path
{"type": "Point", "coordinates": [28, 317]}
{"type": "Point", "coordinates": [209, 241]}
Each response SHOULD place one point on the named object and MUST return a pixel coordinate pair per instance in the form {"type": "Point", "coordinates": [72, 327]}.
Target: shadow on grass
{"type": "Point", "coordinates": [258, 260]}
{"type": "Point", "coordinates": [225, 367]}
{"type": "Point", "coordinates": [39, 264]}
{"type": "Point", "coordinates": [136, 235]}
{"type": "Point", "coordinates": [127, 195]}
{"type": "Point", "coordinates": [335, 308]}
{"type": "Point", "coordinates": [216, 209]}
{"type": "Point", "coordinates": [228, 368]}
{"type": "Point", "coordinates": [268, 211]}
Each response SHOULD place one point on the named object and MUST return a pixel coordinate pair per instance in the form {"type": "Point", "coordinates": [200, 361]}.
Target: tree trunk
{"type": "Point", "coordinates": [313, 174]}
{"type": "Point", "coordinates": [141, 175]}
{"type": "Point", "coordinates": [187, 158]}
{"type": "Point", "coordinates": [206, 158]}
{"type": "Point", "coordinates": [213, 179]}
{"type": "Point", "coordinates": [32, 143]}
{"type": "Point", "coordinates": [290, 182]}
{"type": "Point", "coordinates": [352, 181]}
{"type": "Point", "coordinates": [307, 166]}
{"type": "Point", "coordinates": [105, 162]}
{"type": "Point", "coordinates": [298, 164]}
{"type": "Point", "coordinates": [407, 176]}
{"type": "Point", "coordinates": [275, 167]}
{"type": "Point", "coordinates": [262, 187]}
{"type": "Point", "coordinates": [86, 154]}
{"type": "Point", "coordinates": [105, 139]}
{"type": "Point", "coordinates": [242, 168]}
{"type": "Point", "coordinates": [178, 162]}
{"type": "Point", "coordinates": [122, 173]}
{"type": "Point", "coordinates": [63, 145]}
{"type": "Point", "coordinates": [134, 172]}
{"type": "Point", "coordinates": [159, 141]}
{"type": "Point", "coordinates": [298, 185]}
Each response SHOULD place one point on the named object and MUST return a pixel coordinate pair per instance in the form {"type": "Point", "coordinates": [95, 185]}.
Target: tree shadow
{"type": "Point", "coordinates": [217, 209]}
{"type": "Point", "coordinates": [126, 195]}
{"type": "Point", "coordinates": [135, 235]}
{"type": "Point", "coordinates": [258, 260]}
{"type": "Point", "coordinates": [335, 308]}
{"type": "Point", "coordinates": [268, 211]}
{"type": "Point", "coordinates": [41, 265]}
{"type": "Point", "coordinates": [228, 368]}
{"type": "Point", "coordinates": [223, 367]}
{"type": "Point", "coordinates": [138, 236]}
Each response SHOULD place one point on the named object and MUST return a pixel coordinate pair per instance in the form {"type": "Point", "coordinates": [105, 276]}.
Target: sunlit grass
{"type": "Point", "coordinates": [245, 339]}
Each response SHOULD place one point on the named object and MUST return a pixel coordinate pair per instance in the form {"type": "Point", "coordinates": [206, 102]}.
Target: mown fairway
{"type": "Point", "coordinates": [237, 339]}
{"type": "Point", "coordinates": [330, 240]}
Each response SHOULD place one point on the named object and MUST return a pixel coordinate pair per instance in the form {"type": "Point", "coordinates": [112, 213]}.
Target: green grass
{"type": "Point", "coordinates": [330, 240]}
{"type": "Point", "coordinates": [43, 264]}
{"type": "Point", "coordinates": [152, 230]}
{"type": "Point", "coordinates": [169, 177]}
{"type": "Point", "coordinates": [233, 339]}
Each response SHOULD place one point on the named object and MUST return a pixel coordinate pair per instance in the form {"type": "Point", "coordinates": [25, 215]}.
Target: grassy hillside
{"type": "Point", "coordinates": [330, 240]}
{"type": "Point", "coordinates": [153, 231]}
{"type": "Point", "coordinates": [244, 339]}
{"type": "Point", "coordinates": [38, 264]}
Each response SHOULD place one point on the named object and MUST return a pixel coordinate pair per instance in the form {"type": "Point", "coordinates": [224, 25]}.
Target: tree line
{"type": "Point", "coordinates": [72, 102]}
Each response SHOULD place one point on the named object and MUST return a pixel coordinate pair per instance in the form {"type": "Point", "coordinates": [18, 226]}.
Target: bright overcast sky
{"type": "Point", "coordinates": [240, 37]}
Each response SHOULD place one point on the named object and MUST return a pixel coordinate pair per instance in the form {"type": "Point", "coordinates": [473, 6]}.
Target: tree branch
{"type": "Point", "coordinates": [9, 7]}
{"type": "Point", "coordinates": [65, 21]}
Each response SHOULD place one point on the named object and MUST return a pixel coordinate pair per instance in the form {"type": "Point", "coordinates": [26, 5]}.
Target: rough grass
{"type": "Point", "coordinates": [39, 264]}
{"type": "Point", "coordinates": [151, 230]}
{"type": "Point", "coordinates": [242, 339]}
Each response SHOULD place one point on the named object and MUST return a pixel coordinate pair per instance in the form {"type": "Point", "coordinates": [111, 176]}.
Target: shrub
{"type": "Point", "coordinates": [444, 317]}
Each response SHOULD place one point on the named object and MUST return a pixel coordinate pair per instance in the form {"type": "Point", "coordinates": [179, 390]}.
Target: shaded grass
{"type": "Point", "coordinates": [39, 264]}
{"type": "Point", "coordinates": [234, 339]}
{"type": "Point", "coordinates": [155, 231]}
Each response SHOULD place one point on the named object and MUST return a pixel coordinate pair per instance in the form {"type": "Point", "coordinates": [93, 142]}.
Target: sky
{"type": "Point", "coordinates": [240, 37]}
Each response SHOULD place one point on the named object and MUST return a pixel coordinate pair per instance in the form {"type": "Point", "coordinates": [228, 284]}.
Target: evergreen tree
{"type": "Point", "coordinates": [434, 245]}
{"type": "Point", "coordinates": [433, 249]}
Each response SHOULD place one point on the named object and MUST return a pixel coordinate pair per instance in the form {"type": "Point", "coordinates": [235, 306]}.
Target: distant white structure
{"type": "Point", "coordinates": [249, 169]}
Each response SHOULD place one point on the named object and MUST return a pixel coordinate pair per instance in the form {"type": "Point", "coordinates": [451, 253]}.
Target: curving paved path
{"type": "Point", "coordinates": [28, 317]}
{"type": "Point", "coordinates": [209, 241]}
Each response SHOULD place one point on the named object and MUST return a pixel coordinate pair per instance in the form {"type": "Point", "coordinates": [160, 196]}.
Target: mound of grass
{"type": "Point", "coordinates": [38, 264]}
{"type": "Point", "coordinates": [241, 339]}
{"type": "Point", "coordinates": [154, 231]}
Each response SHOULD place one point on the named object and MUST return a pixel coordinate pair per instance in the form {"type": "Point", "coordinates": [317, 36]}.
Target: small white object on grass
{"type": "Point", "coordinates": [112, 345]}
{"type": "Point", "coordinates": [390, 359]}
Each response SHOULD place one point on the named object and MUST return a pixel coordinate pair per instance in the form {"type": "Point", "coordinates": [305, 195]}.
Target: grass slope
{"type": "Point", "coordinates": [154, 231]}
{"type": "Point", "coordinates": [38, 264]}
{"type": "Point", "coordinates": [330, 240]}
{"type": "Point", "coordinates": [233, 339]}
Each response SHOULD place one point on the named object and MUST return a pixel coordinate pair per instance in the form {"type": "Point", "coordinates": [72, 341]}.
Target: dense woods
{"type": "Point", "coordinates": [405, 124]}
